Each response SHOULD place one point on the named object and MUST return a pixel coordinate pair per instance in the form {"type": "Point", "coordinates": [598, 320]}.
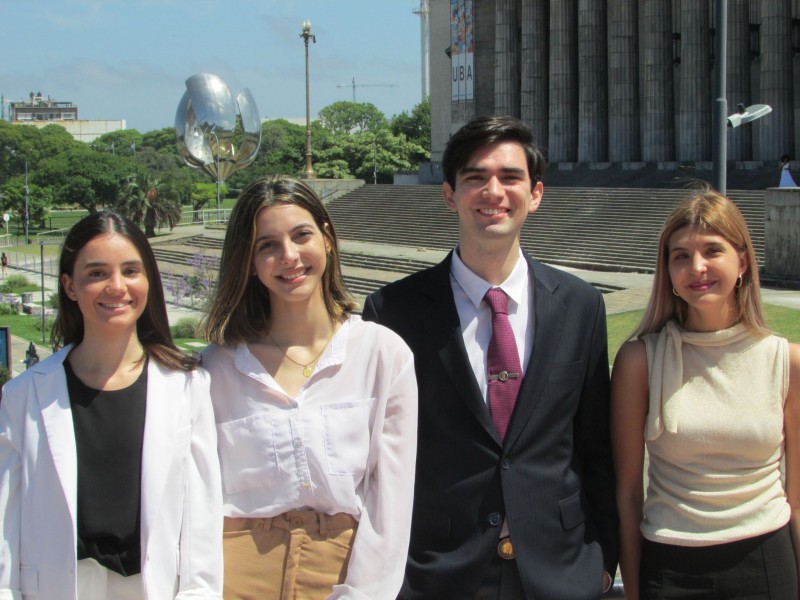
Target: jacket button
{"type": "Point", "coordinates": [505, 464]}
{"type": "Point", "coordinates": [495, 519]}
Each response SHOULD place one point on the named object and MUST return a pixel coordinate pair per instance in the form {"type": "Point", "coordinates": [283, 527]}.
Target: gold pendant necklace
{"type": "Point", "coordinates": [307, 370]}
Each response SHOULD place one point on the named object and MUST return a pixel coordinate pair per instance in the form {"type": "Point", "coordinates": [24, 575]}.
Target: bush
{"type": "Point", "coordinates": [17, 280]}
{"type": "Point", "coordinates": [185, 328]}
{"type": "Point", "coordinates": [5, 375]}
{"type": "Point", "coordinates": [14, 283]}
{"type": "Point", "coordinates": [52, 300]}
{"type": "Point", "coordinates": [9, 309]}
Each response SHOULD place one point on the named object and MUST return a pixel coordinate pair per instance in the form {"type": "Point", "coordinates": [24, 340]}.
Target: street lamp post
{"type": "Point", "coordinates": [308, 173]}
{"type": "Point", "coordinates": [26, 219]}
{"type": "Point", "coordinates": [719, 151]}
{"type": "Point", "coordinates": [27, 210]}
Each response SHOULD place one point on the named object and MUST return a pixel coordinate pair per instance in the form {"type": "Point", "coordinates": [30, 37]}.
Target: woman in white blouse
{"type": "Point", "coordinates": [109, 477]}
{"type": "Point", "coordinates": [316, 411]}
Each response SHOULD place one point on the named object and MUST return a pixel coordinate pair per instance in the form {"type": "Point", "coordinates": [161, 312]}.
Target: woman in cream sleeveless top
{"type": "Point", "coordinates": [714, 398]}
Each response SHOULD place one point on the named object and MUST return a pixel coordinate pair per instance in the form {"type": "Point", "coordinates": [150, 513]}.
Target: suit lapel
{"type": "Point", "coordinates": [164, 393]}
{"type": "Point", "coordinates": [550, 313]}
{"type": "Point", "coordinates": [448, 340]}
{"type": "Point", "coordinates": [50, 384]}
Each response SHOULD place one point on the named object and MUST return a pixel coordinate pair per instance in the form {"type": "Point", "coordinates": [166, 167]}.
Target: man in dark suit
{"type": "Point", "coordinates": [514, 493]}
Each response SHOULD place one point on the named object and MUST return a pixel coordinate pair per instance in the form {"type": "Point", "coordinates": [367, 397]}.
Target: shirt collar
{"type": "Point", "coordinates": [476, 287]}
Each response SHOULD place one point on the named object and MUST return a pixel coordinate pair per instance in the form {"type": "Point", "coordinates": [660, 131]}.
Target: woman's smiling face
{"type": "Point", "coordinates": [290, 253]}
{"type": "Point", "coordinates": [704, 268]}
{"type": "Point", "coordinates": [109, 283]}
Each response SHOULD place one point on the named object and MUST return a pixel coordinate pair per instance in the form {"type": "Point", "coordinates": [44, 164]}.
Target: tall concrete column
{"type": "Point", "coordinates": [737, 81]}
{"type": "Point", "coordinates": [563, 127]}
{"type": "Point", "coordinates": [484, 31]}
{"type": "Point", "coordinates": [623, 82]}
{"type": "Point", "coordinates": [694, 101]}
{"type": "Point", "coordinates": [534, 52]}
{"type": "Point", "coordinates": [506, 58]}
{"type": "Point", "coordinates": [656, 80]}
{"type": "Point", "coordinates": [592, 81]}
{"type": "Point", "coordinates": [776, 131]}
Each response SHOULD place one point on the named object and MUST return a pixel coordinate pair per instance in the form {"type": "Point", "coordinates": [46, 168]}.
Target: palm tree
{"type": "Point", "coordinates": [148, 202]}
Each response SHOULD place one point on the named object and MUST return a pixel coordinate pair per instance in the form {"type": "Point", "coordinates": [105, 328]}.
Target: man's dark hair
{"type": "Point", "coordinates": [481, 132]}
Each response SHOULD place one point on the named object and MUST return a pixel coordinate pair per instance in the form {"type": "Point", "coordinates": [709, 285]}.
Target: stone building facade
{"type": "Point", "coordinates": [617, 81]}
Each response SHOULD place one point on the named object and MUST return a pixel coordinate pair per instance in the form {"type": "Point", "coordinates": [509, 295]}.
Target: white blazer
{"type": "Point", "coordinates": [181, 507]}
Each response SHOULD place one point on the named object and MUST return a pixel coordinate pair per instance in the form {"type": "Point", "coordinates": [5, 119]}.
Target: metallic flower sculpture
{"type": "Point", "coordinates": [206, 125]}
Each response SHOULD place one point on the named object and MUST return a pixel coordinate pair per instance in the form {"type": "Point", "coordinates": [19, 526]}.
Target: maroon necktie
{"type": "Point", "coordinates": [505, 372]}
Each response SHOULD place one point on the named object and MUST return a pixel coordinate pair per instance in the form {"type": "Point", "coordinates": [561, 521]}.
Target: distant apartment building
{"type": "Point", "coordinates": [40, 112]}
{"type": "Point", "coordinates": [40, 109]}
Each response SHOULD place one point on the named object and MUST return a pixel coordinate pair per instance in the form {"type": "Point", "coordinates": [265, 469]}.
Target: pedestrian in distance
{"type": "Point", "coordinates": [514, 494]}
{"type": "Point", "coordinates": [714, 398]}
{"type": "Point", "coordinates": [316, 411]}
{"type": "Point", "coordinates": [109, 477]}
{"type": "Point", "coordinates": [786, 174]}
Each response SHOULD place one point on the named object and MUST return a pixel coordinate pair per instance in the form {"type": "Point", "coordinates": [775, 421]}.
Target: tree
{"type": "Point", "coordinates": [161, 140]}
{"type": "Point", "coordinates": [122, 142]}
{"type": "Point", "coordinates": [40, 199]}
{"type": "Point", "coordinates": [282, 152]}
{"type": "Point", "coordinates": [415, 126]}
{"type": "Point", "coordinates": [86, 177]}
{"type": "Point", "coordinates": [146, 202]}
{"type": "Point", "coordinates": [204, 193]}
{"type": "Point", "coordinates": [351, 117]}
{"type": "Point", "coordinates": [369, 153]}
{"type": "Point", "coordinates": [21, 144]}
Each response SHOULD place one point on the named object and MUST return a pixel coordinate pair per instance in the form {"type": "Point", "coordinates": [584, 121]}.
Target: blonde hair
{"type": "Point", "coordinates": [240, 309]}
{"type": "Point", "coordinates": [709, 210]}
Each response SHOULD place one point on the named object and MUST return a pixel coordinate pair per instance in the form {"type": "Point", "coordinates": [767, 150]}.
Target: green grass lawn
{"type": "Point", "coordinates": [28, 327]}
{"type": "Point", "coordinates": [783, 321]}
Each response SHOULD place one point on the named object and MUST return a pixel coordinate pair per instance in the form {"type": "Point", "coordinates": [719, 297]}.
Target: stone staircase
{"type": "Point", "coordinates": [588, 228]}
{"type": "Point", "coordinates": [363, 274]}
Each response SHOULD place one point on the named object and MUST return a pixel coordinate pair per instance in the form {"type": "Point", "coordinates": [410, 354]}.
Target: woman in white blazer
{"type": "Point", "coordinates": [83, 515]}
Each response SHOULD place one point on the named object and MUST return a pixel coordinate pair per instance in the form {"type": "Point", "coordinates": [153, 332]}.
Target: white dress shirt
{"type": "Point", "coordinates": [346, 443]}
{"type": "Point", "coordinates": [476, 316]}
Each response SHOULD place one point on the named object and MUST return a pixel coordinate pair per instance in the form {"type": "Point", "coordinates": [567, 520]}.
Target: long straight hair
{"type": "Point", "coordinates": [240, 309]}
{"type": "Point", "coordinates": [152, 327]}
{"type": "Point", "coordinates": [707, 210]}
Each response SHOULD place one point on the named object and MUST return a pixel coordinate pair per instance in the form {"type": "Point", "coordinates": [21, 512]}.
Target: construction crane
{"type": "Point", "coordinates": [354, 85]}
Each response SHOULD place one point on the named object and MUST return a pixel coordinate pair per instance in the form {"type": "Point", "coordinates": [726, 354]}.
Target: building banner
{"type": "Point", "coordinates": [461, 49]}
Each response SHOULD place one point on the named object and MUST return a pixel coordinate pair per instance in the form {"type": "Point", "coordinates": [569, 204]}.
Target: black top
{"type": "Point", "coordinates": [109, 436]}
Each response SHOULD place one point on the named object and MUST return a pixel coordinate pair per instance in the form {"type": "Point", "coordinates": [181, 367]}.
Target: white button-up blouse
{"type": "Point", "coordinates": [346, 443]}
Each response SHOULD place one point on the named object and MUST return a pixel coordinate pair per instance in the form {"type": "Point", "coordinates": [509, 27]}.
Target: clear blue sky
{"type": "Point", "coordinates": [128, 59]}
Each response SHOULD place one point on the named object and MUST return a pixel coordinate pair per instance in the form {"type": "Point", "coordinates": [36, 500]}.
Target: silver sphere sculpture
{"type": "Point", "coordinates": [206, 123]}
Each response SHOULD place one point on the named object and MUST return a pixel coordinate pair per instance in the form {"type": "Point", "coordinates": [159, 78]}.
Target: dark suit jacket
{"type": "Point", "coordinates": [552, 479]}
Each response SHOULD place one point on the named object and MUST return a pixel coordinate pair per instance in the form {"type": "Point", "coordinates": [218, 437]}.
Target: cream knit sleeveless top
{"type": "Point", "coordinates": [714, 434]}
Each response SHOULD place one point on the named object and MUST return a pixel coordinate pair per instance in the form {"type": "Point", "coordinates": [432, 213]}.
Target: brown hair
{"type": "Point", "coordinates": [705, 209]}
{"type": "Point", "coordinates": [482, 131]}
{"type": "Point", "coordinates": [152, 328]}
{"type": "Point", "coordinates": [240, 309]}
